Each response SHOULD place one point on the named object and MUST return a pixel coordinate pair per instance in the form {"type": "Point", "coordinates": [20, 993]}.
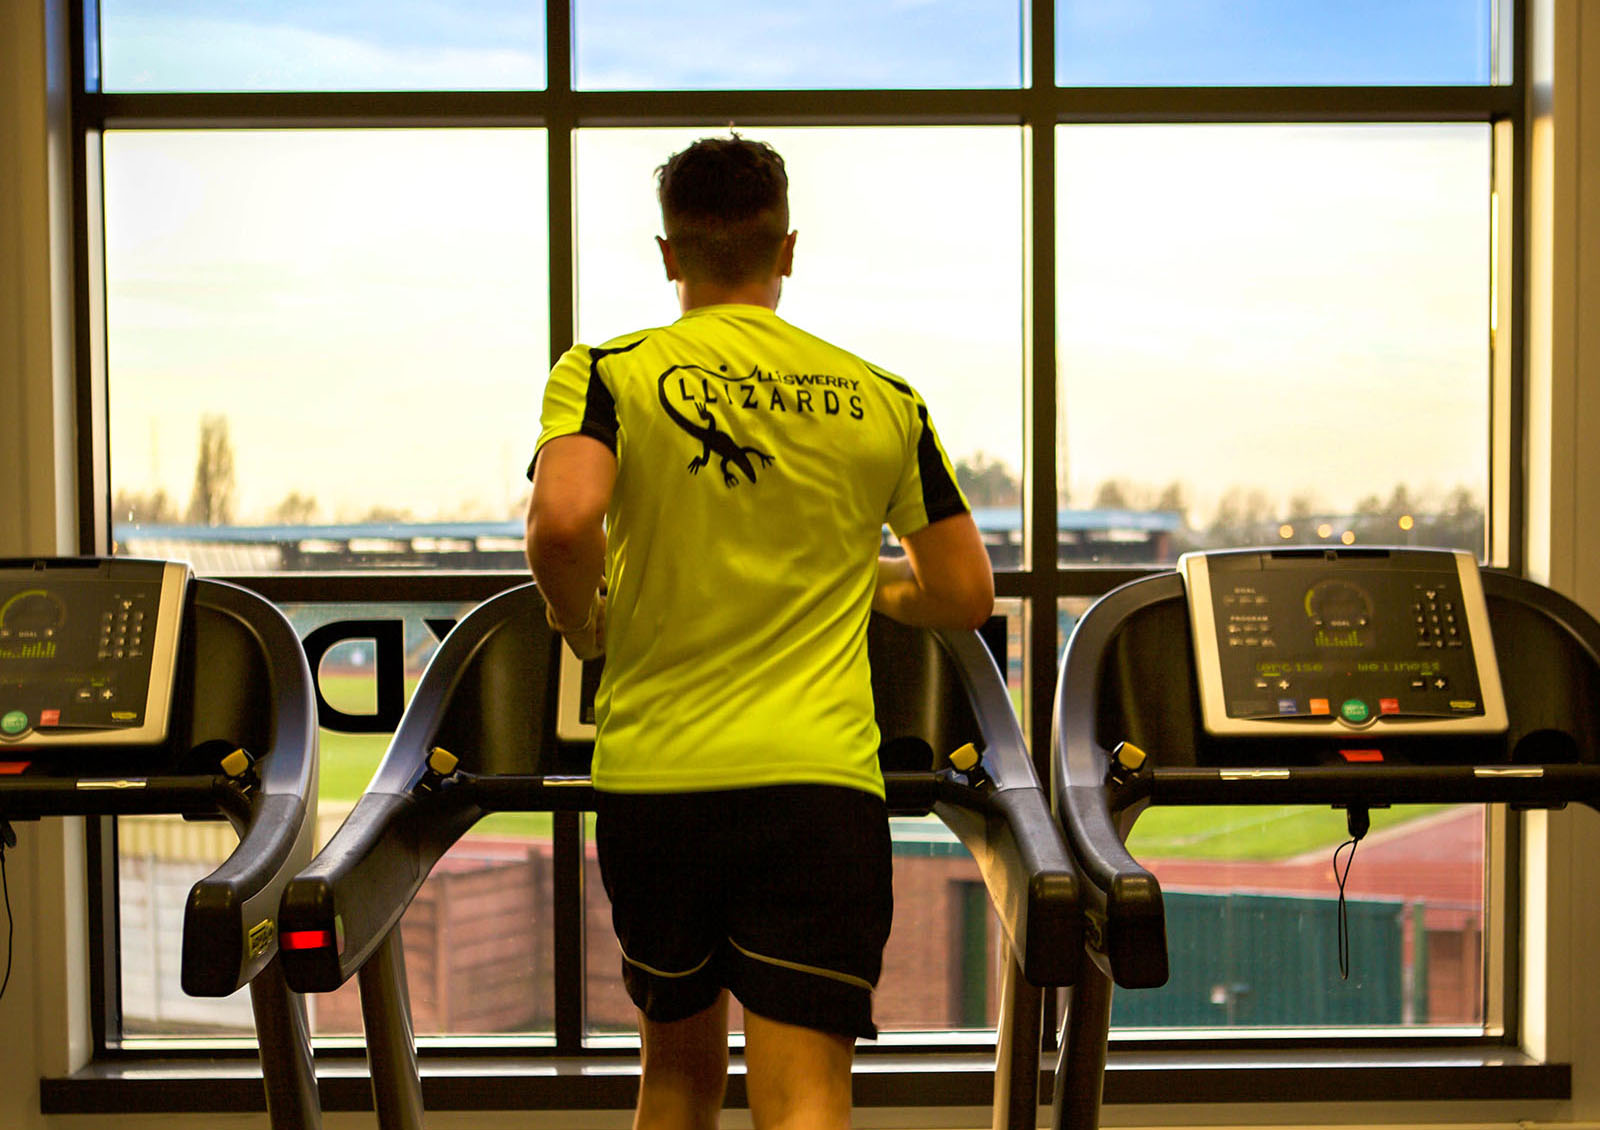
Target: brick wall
{"type": "Point", "coordinates": [478, 948]}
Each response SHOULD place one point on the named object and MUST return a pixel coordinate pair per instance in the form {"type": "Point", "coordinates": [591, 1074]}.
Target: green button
{"type": "Point", "coordinates": [14, 722]}
{"type": "Point", "coordinates": [1354, 710]}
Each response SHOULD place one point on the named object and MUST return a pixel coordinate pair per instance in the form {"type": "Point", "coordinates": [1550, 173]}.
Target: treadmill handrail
{"type": "Point", "coordinates": [1078, 761]}
{"type": "Point", "coordinates": [1021, 854]}
{"type": "Point", "coordinates": [229, 931]}
{"type": "Point", "coordinates": [443, 673]}
{"type": "Point", "coordinates": [1125, 921]}
{"type": "Point", "coordinates": [384, 843]}
{"type": "Point", "coordinates": [1005, 755]}
{"type": "Point", "coordinates": [1567, 613]}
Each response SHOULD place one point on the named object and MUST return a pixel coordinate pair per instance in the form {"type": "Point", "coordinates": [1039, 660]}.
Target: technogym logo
{"type": "Point", "coordinates": [29, 651]}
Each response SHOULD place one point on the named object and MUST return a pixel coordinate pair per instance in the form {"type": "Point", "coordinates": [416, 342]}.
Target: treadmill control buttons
{"type": "Point", "coordinates": [1250, 629]}
{"type": "Point", "coordinates": [122, 632]}
{"type": "Point", "coordinates": [1354, 710]}
{"type": "Point", "coordinates": [1434, 612]}
{"type": "Point", "coordinates": [12, 723]}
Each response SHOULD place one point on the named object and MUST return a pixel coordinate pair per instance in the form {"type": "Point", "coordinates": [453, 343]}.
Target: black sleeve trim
{"type": "Point", "coordinates": [900, 386]}
{"type": "Point", "coordinates": [599, 406]}
{"type": "Point", "coordinates": [941, 498]}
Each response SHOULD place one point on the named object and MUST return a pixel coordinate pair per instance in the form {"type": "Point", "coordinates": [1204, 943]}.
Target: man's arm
{"type": "Point", "coordinates": [943, 581]}
{"type": "Point", "coordinates": [566, 541]}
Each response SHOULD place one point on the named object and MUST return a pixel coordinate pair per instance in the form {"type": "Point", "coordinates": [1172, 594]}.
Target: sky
{"type": "Point", "coordinates": [715, 44]}
{"type": "Point", "coordinates": [1296, 309]}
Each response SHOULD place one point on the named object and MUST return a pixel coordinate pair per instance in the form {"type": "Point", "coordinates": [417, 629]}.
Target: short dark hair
{"type": "Point", "coordinates": [725, 208]}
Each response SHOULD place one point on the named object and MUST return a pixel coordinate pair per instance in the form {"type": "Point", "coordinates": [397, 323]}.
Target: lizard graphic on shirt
{"type": "Point", "coordinates": [713, 440]}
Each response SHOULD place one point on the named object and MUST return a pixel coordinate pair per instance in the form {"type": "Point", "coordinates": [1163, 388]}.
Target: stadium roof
{"type": "Point", "coordinates": [992, 519]}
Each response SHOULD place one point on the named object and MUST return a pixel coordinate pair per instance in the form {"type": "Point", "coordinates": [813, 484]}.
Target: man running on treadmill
{"type": "Point", "coordinates": [708, 503]}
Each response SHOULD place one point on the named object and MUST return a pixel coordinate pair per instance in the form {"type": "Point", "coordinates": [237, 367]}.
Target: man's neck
{"type": "Point", "coordinates": [693, 294]}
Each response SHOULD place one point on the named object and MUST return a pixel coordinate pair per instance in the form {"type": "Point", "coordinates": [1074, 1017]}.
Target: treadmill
{"type": "Point", "coordinates": [1354, 678]}
{"type": "Point", "coordinates": [128, 686]}
{"type": "Point", "coordinates": [497, 723]}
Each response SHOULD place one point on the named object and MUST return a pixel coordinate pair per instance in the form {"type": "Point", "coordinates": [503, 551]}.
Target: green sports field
{"type": "Point", "coordinates": [347, 761]}
{"type": "Point", "coordinates": [1263, 832]}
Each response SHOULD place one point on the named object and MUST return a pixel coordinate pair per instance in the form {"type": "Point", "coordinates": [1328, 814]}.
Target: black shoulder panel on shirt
{"type": "Point", "coordinates": [599, 406]}
{"type": "Point", "coordinates": [940, 496]}
{"type": "Point", "coordinates": [899, 386]}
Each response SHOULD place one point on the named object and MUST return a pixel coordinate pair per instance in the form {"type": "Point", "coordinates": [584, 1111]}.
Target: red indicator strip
{"type": "Point", "coordinates": [1361, 754]}
{"type": "Point", "coordinates": [12, 768]}
{"type": "Point", "coordinates": [315, 939]}
{"type": "Point", "coordinates": [306, 940]}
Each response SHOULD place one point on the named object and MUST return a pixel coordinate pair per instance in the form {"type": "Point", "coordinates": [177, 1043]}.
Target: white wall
{"type": "Point", "coordinates": [1562, 1013]}
{"type": "Point", "coordinates": [44, 1012]}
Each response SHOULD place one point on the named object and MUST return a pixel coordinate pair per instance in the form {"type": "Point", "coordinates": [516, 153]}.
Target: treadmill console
{"type": "Point", "coordinates": [1302, 642]}
{"type": "Point", "coordinates": [88, 651]}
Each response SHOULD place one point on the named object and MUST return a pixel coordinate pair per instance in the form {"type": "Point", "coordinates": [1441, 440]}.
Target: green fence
{"type": "Point", "coordinates": [1254, 960]}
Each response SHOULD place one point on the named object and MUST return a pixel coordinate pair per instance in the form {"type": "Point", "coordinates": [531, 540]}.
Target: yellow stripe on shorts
{"type": "Point", "coordinates": [831, 974]}
{"type": "Point", "coordinates": [662, 972]}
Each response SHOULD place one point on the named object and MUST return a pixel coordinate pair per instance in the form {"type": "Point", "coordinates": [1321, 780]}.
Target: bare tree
{"type": "Point", "coordinates": [1114, 494]}
{"type": "Point", "coordinates": [1173, 496]}
{"type": "Point", "coordinates": [211, 504]}
{"type": "Point", "coordinates": [386, 515]}
{"type": "Point", "coordinates": [987, 481]}
{"type": "Point", "coordinates": [295, 509]}
{"type": "Point", "coordinates": [1242, 517]}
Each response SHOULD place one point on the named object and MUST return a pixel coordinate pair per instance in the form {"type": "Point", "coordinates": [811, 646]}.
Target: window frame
{"type": "Point", "coordinates": [1039, 106]}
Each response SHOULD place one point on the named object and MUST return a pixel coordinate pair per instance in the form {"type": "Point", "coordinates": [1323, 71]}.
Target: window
{"type": "Point", "coordinates": [192, 45]}
{"type": "Point", "coordinates": [280, 306]}
{"type": "Point", "coordinates": [1300, 313]}
{"type": "Point", "coordinates": [827, 45]}
{"type": "Point", "coordinates": [1169, 275]}
{"type": "Point", "coordinates": [1264, 43]}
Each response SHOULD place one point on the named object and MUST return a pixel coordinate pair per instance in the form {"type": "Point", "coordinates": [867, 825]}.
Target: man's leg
{"type": "Point", "coordinates": [797, 1078]}
{"type": "Point", "coordinates": [685, 1070]}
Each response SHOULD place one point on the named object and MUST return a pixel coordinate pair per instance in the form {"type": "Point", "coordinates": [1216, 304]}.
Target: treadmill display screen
{"type": "Point", "coordinates": [1351, 641]}
{"type": "Point", "coordinates": [79, 649]}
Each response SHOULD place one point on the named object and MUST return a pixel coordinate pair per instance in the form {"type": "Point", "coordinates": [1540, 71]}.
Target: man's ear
{"type": "Point", "coordinates": [786, 255]}
{"type": "Point", "coordinates": [669, 260]}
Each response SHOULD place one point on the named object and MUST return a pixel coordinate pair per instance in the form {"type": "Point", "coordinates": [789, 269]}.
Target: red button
{"type": "Point", "coordinates": [1361, 754]}
{"type": "Point", "coordinates": [49, 718]}
{"type": "Point", "coordinates": [1388, 706]}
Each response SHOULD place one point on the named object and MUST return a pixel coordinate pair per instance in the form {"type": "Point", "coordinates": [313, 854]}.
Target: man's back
{"type": "Point", "coordinates": [757, 466]}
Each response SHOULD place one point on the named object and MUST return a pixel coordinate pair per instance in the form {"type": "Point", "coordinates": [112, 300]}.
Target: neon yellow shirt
{"type": "Point", "coordinates": [756, 468]}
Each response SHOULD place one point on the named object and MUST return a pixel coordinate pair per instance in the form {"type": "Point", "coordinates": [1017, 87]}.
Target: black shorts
{"type": "Point", "coordinates": [781, 894]}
